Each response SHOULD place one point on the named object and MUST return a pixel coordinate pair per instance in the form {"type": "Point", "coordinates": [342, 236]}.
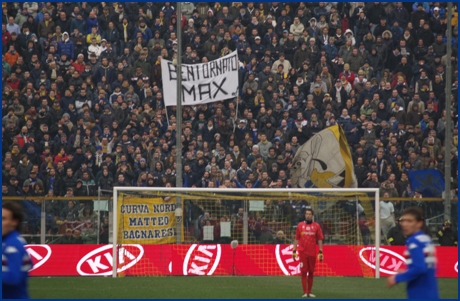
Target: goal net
{"type": "Point", "coordinates": [178, 231]}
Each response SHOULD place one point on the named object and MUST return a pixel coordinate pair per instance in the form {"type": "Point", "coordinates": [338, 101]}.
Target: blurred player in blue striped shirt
{"type": "Point", "coordinates": [420, 258]}
{"type": "Point", "coordinates": [16, 262]}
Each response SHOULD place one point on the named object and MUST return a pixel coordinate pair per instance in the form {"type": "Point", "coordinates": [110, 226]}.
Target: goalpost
{"type": "Point", "coordinates": [335, 208]}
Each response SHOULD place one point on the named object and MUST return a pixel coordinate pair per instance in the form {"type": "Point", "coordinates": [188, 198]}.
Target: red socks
{"type": "Point", "coordinates": [310, 282]}
{"type": "Point", "coordinates": [304, 283]}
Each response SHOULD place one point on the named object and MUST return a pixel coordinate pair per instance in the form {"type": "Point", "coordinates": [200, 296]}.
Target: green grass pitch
{"type": "Point", "coordinates": [220, 287]}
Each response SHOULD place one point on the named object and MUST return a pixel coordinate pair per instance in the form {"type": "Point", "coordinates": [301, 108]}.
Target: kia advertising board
{"type": "Point", "coordinates": [221, 260]}
{"type": "Point", "coordinates": [100, 261]}
{"type": "Point", "coordinates": [202, 260]}
{"type": "Point", "coordinates": [39, 254]}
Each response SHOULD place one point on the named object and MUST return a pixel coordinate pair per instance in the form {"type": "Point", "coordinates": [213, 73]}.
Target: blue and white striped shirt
{"type": "Point", "coordinates": [421, 268]}
{"type": "Point", "coordinates": [16, 265]}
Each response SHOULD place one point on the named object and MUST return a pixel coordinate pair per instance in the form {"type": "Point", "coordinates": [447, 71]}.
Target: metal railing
{"type": "Point", "coordinates": [43, 229]}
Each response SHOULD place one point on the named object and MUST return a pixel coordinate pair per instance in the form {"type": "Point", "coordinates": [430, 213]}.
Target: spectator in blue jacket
{"type": "Point", "coordinates": [352, 130]}
{"type": "Point", "coordinates": [79, 23]}
{"type": "Point", "coordinates": [144, 29]}
{"type": "Point", "coordinates": [425, 5]}
{"type": "Point", "coordinates": [66, 46]}
{"type": "Point", "coordinates": [91, 22]}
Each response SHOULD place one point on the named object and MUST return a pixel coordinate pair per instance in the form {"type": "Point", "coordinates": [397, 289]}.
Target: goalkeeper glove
{"type": "Point", "coordinates": [320, 256]}
{"type": "Point", "coordinates": [294, 254]}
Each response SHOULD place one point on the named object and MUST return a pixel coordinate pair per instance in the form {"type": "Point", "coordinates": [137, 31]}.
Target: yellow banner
{"type": "Point", "coordinates": [146, 220]}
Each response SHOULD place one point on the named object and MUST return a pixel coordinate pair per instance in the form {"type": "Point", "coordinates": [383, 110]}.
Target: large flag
{"type": "Point", "coordinates": [324, 161]}
{"type": "Point", "coordinates": [429, 182]}
{"type": "Point", "coordinates": [202, 83]}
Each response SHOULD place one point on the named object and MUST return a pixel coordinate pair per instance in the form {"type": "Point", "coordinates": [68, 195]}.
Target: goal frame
{"type": "Point", "coordinates": [375, 191]}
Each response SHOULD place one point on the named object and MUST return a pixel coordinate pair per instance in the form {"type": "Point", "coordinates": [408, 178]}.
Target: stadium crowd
{"type": "Point", "coordinates": [83, 108]}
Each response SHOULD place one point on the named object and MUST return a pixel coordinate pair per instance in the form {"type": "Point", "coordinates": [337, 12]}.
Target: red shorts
{"type": "Point", "coordinates": [307, 263]}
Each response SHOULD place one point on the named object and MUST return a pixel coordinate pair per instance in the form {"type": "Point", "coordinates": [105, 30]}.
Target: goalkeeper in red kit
{"type": "Point", "coordinates": [307, 234]}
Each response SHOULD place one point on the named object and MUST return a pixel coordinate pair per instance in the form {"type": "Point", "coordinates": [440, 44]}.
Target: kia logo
{"type": "Point", "coordinates": [390, 262]}
{"type": "Point", "coordinates": [99, 262]}
{"type": "Point", "coordinates": [202, 260]}
{"type": "Point", "coordinates": [39, 254]}
{"type": "Point", "coordinates": [456, 267]}
{"type": "Point", "coordinates": [284, 259]}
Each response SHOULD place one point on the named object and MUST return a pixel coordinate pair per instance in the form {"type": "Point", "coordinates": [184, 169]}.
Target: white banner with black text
{"type": "Point", "coordinates": [201, 83]}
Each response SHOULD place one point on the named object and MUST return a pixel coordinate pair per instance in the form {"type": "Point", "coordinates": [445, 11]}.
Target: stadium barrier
{"type": "Point", "coordinates": [221, 260]}
{"type": "Point", "coordinates": [45, 224]}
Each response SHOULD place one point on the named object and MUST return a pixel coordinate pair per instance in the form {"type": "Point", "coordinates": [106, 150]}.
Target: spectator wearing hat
{"type": "Point", "coordinates": [241, 45]}
{"type": "Point", "coordinates": [143, 29]}
{"type": "Point", "coordinates": [447, 236]}
{"type": "Point", "coordinates": [157, 39]}
{"type": "Point", "coordinates": [79, 64]}
{"type": "Point", "coordinates": [283, 31]}
{"type": "Point", "coordinates": [104, 19]}
{"type": "Point", "coordinates": [78, 23]}
{"type": "Point", "coordinates": [66, 46]}
{"type": "Point", "coordinates": [35, 179]}
{"type": "Point", "coordinates": [243, 16]}
{"type": "Point", "coordinates": [399, 14]}
{"type": "Point", "coordinates": [168, 10]}
{"type": "Point", "coordinates": [258, 48]}
{"type": "Point", "coordinates": [329, 103]}
{"type": "Point", "coordinates": [300, 56]}
{"type": "Point", "coordinates": [426, 34]}
{"type": "Point", "coordinates": [250, 84]}
{"type": "Point", "coordinates": [140, 168]}
{"type": "Point", "coordinates": [220, 26]}
{"type": "Point", "coordinates": [25, 36]}
{"type": "Point", "coordinates": [435, 20]}
{"type": "Point", "coordinates": [380, 27]}
{"type": "Point", "coordinates": [67, 238]}
{"type": "Point", "coordinates": [397, 32]}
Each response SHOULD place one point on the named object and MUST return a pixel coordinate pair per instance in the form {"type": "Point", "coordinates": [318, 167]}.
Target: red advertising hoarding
{"type": "Point", "coordinates": [221, 260]}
